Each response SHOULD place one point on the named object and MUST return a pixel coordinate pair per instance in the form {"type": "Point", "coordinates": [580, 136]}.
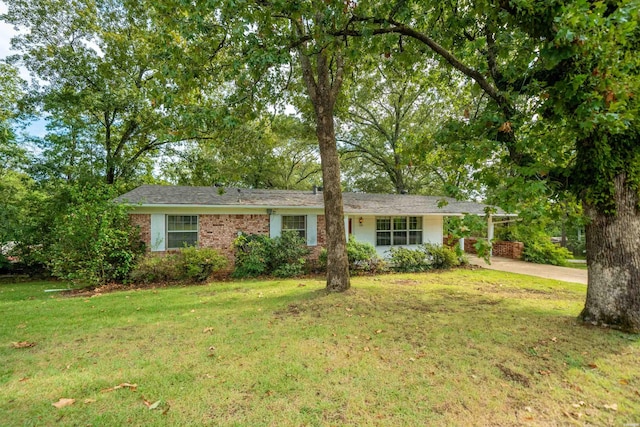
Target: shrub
{"type": "Point", "coordinates": [153, 268]}
{"type": "Point", "coordinates": [440, 257]}
{"type": "Point", "coordinates": [288, 255]}
{"type": "Point", "coordinates": [94, 241]}
{"type": "Point", "coordinates": [5, 265]}
{"type": "Point", "coordinates": [251, 255]}
{"type": "Point", "coordinates": [362, 257]}
{"type": "Point", "coordinates": [542, 251]}
{"type": "Point", "coordinates": [190, 263]}
{"type": "Point", "coordinates": [408, 260]}
{"type": "Point", "coordinates": [283, 256]}
{"type": "Point", "coordinates": [198, 264]}
{"type": "Point", "coordinates": [425, 257]}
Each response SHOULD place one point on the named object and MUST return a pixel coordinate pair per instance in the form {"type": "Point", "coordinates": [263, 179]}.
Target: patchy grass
{"type": "Point", "coordinates": [456, 348]}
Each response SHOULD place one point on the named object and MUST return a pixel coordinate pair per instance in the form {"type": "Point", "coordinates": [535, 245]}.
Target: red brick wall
{"type": "Point", "coordinates": [219, 231]}
{"type": "Point", "coordinates": [508, 249]}
{"type": "Point", "coordinates": [511, 250]}
{"type": "Point", "coordinates": [143, 221]}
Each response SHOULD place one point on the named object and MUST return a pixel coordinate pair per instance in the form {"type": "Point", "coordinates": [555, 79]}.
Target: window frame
{"type": "Point", "coordinates": [407, 229]}
{"type": "Point", "coordinates": [302, 232]}
{"type": "Point", "coordinates": [168, 231]}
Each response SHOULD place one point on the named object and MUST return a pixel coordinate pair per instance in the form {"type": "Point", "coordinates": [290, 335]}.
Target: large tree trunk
{"type": "Point", "coordinates": [613, 256]}
{"type": "Point", "coordinates": [323, 91]}
{"type": "Point", "coordinates": [337, 261]}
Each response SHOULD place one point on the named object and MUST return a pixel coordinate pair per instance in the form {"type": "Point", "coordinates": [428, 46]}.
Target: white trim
{"type": "Point", "coordinates": [312, 230]}
{"type": "Point", "coordinates": [205, 209]}
{"type": "Point", "coordinates": [157, 227]}
{"type": "Point", "coordinates": [275, 225]}
{"type": "Point", "coordinates": [197, 230]}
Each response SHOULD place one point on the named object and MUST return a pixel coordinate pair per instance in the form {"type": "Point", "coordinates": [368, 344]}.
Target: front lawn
{"type": "Point", "coordinates": [456, 348]}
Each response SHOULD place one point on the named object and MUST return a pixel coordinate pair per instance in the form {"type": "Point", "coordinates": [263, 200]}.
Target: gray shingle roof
{"type": "Point", "coordinates": [354, 203]}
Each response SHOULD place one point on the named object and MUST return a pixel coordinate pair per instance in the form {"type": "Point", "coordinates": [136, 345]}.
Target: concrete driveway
{"type": "Point", "coordinates": [565, 274]}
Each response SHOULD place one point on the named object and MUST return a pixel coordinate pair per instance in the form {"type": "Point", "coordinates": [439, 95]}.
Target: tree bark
{"type": "Point", "coordinates": [337, 261]}
{"type": "Point", "coordinates": [323, 91]}
{"type": "Point", "coordinates": [613, 257]}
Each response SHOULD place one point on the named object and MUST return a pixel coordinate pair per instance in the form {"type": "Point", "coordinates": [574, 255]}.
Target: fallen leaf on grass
{"type": "Point", "coordinates": [23, 344]}
{"type": "Point", "coordinates": [150, 405]}
{"type": "Point", "coordinates": [379, 331]}
{"type": "Point", "coordinates": [86, 401]}
{"type": "Point", "coordinates": [21, 380]}
{"type": "Point", "coordinates": [624, 382]}
{"type": "Point", "coordinates": [132, 387]}
{"type": "Point", "coordinates": [63, 402]}
{"type": "Point", "coordinates": [612, 407]}
{"type": "Point", "coordinates": [205, 330]}
{"type": "Point", "coordinates": [592, 366]}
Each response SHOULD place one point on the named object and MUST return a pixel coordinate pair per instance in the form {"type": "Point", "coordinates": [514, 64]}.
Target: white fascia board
{"type": "Point", "coordinates": [225, 209]}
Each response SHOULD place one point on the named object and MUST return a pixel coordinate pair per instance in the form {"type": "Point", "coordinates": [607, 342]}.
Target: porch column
{"type": "Point", "coordinates": [461, 243]}
{"type": "Point", "coordinates": [490, 233]}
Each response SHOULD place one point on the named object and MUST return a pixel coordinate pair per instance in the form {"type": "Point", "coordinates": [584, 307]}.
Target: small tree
{"type": "Point", "coordinates": [93, 240]}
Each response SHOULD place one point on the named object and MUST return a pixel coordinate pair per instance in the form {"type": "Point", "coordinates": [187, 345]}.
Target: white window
{"type": "Point", "coordinates": [182, 230]}
{"type": "Point", "coordinates": [296, 223]}
{"type": "Point", "coordinates": [399, 230]}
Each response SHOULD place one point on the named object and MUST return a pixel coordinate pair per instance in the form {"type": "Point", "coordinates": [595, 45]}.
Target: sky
{"type": "Point", "coordinates": [36, 128]}
{"type": "Point", "coordinates": [6, 31]}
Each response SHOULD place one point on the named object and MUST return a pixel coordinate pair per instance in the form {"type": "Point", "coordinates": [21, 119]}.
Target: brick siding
{"type": "Point", "coordinates": [143, 222]}
{"type": "Point", "coordinates": [500, 248]}
{"type": "Point", "coordinates": [219, 231]}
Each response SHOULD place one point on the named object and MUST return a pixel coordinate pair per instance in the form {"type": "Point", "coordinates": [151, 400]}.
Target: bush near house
{"type": "Point", "coordinates": [283, 256]}
{"type": "Point", "coordinates": [538, 247]}
{"type": "Point", "coordinates": [425, 257]}
{"type": "Point", "coordinates": [542, 251]}
{"type": "Point", "coordinates": [362, 256]}
{"type": "Point", "coordinates": [190, 264]}
{"type": "Point", "coordinates": [93, 240]}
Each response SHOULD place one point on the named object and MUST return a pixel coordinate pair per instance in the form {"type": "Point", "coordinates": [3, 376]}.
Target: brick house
{"type": "Point", "coordinates": [170, 216]}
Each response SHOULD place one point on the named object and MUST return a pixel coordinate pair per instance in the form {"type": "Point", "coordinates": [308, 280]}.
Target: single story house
{"type": "Point", "coordinates": [170, 216]}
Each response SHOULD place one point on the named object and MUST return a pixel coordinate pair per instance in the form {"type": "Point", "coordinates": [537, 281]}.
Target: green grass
{"type": "Point", "coordinates": [456, 348]}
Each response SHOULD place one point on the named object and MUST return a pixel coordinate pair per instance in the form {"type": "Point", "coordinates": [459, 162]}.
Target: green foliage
{"type": "Point", "coordinates": [189, 263]}
{"type": "Point", "coordinates": [538, 247]}
{"type": "Point", "coordinates": [441, 257]}
{"type": "Point", "coordinates": [252, 254]}
{"type": "Point", "coordinates": [154, 268]}
{"type": "Point", "coordinates": [425, 257]}
{"type": "Point", "coordinates": [270, 152]}
{"type": "Point", "coordinates": [94, 242]}
{"type": "Point", "coordinates": [288, 256]}
{"type": "Point", "coordinates": [362, 257]}
{"type": "Point", "coordinates": [198, 264]}
{"type": "Point", "coordinates": [283, 256]}
{"type": "Point", "coordinates": [540, 250]}
{"type": "Point", "coordinates": [408, 260]}
{"type": "Point", "coordinates": [110, 88]}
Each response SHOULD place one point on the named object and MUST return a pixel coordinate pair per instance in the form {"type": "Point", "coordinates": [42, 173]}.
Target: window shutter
{"type": "Point", "coordinates": [275, 225]}
{"type": "Point", "coordinates": [346, 227]}
{"type": "Point", "coordinates": [312, 230]}
{"type": "Point", "coordinates": [158, 232]}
